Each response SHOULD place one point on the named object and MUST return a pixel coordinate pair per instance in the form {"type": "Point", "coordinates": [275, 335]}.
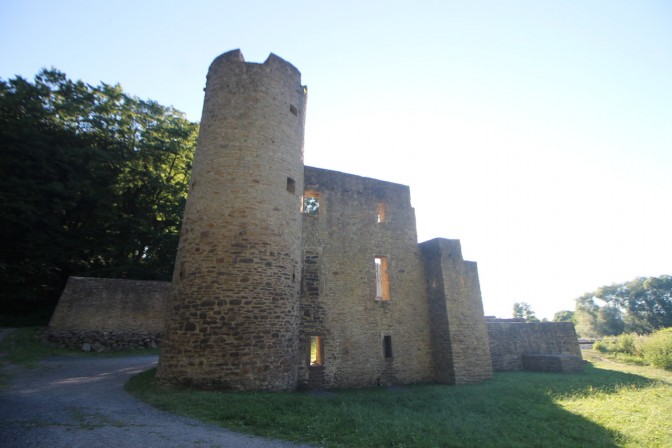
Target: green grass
{"type": "Point", "coordinates": [608, 405]}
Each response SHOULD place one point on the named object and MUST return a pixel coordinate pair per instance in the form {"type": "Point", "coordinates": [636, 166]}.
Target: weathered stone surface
{"type": "Point", "coordinates": [459, 335]}
{"type": "Point", "coordinates": [109, 314]}
{"type": "Point", "coordinates": [339, 300]}
{"type": "Point", "coordinates": [552, 363]}
{"type": "Point", "coordinates": [108, 340]}
{"type": "Point", "coordinates": [509, 341]}
{"type": "Point", "coordinates": [106, 304]}
{"type": "Point", "coordinates": [234, 323]}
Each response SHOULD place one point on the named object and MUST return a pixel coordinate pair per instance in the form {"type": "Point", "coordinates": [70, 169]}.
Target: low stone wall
{"type": "Point", "coordinates": [97, 341]}
{"type": "Point", "coordinates": [509, 341]}
{"type": "Point", "coordinates": [552, 363]}
{"type": "Point", "coordinates": [114, 314]}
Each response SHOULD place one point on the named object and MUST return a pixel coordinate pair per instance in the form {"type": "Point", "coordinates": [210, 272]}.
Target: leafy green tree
{"type": "Point", "coordinates": [641, 306]}
{"type": "Point", "coordinates": [523, 310]}
{"type": "Point", "coordinates": [586, 316]}
{"type": "Point", "coordinates": [92, 182]}
{"type": "Point", "coordinates": [564, 316]}
{"type": "Point", "coordinates": [646, 302]}
{"type": "Point", "coordinates": [609, 321]}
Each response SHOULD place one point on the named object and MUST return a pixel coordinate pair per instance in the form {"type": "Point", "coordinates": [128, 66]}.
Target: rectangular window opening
{"type": "Point", "coordinates": [382, 279]}
{"type": "Point", "coordinates": [291, 185]}
{"type": "Point", "coordinates": [311, 202]}
{"type": "Point", "coordinates": [316, 351]}
{"type": "Point", "coordinates": [381, 212]}
{"type": "Point", "coordinates": [387, 346]}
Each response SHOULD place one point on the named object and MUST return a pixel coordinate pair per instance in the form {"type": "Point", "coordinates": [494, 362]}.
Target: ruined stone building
{"type": "Point", "coordinates": [289, 276]}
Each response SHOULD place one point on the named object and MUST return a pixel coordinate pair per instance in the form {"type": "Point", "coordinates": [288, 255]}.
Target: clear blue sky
{"type": "Point", "coordinates": [539, 133]}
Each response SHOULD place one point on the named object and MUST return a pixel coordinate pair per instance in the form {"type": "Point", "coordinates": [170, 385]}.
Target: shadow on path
{"type": "Point", "coordinates": [80, 402]}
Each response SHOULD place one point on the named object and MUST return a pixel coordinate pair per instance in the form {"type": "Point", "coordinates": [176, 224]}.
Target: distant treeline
{"type": "Point", "coordinates": [640, 306]}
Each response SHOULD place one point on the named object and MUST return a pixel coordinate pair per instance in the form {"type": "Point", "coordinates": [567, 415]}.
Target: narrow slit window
{"type": "Point", "coordinates": [291, 185]}
{"type": "Point", "coordinates": [380, 208]}
{"type": "Point", "coordinates": [316, 351]}
{"type": "Point", "coordinates": [382, 279]}
{"type": "Point", "coordinates": [311, 202]}
{"type": "Point", "coordinates": [387, 346]}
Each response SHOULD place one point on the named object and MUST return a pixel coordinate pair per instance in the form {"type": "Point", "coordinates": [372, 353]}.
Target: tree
{"type": "Point", "coordinates": [646, 302]}
{"type": "Point", "coordinates": [92, 182]}
{"type": "Point", "coordinates": [586, 316]}
{"type": "Point", "coordinates": [609, 321]}
{"type": "Point", "coordinates": [523, 310]}
{"type": "Point", "coordinates": [642, 305]}
{"type": "Point", "coordinates": [564, 316]}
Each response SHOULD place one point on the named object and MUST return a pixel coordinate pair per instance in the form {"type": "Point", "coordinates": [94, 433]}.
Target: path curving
{"type": "Point", "coordinates": [71, 402]}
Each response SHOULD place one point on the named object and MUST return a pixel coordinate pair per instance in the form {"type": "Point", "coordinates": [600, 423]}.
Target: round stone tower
{"type": "Point", "coordinates": [234, 319]}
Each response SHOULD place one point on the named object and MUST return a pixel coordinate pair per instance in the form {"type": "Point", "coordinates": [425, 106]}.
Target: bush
{"type": "Point", "coordinates": [657, 349]}
{"type": "Point", "coordinates": [628, 344]}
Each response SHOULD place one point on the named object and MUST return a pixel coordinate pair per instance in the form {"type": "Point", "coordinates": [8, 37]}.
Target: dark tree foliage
{"type": "Point", "coordinates": [92, 183]}
{"type": "Point", "coordinates": [642, 305]}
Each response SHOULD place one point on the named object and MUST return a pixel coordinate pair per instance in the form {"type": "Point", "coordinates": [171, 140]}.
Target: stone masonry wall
{"type": "Point", "coordinates": [234, 323]}
{"type": "Point", "coordinates": [339, 300]}
{"type": "Point", "coordinates": [114, 313]}
{"type": "Point", "coordinates": [459, 334]}
{"type": "Point", "coordinates": [509, 341]}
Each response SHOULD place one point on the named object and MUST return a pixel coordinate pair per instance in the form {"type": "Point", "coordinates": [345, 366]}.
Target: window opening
{"type": "Point", "coordinates": [311, 202]}
{"type": "Point", "coordinates": [381, 212]}
{"type": "Point", "coordinates": [382, 279]}
{"type": "Point", "coordinates": [316, 351]}
{"type": "Point", "coordinates": [387, 346]}
{"type": "Point", "coordinates": [291, 185]}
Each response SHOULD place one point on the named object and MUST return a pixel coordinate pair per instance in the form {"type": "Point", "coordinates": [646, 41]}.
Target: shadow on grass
{"type": "Point", "coordinates": [514, 409]}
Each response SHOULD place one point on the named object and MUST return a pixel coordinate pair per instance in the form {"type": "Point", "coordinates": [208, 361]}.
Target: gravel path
{"type": "Point", "coordinates": [69, 402]}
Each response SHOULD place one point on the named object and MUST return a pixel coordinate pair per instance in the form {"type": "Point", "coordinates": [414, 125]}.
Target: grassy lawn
{"type": "Point", "coordinates": [609, 405]}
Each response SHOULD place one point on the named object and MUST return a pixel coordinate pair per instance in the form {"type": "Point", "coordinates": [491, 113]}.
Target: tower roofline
{"type": "Point", "coordinates": [236, 56]}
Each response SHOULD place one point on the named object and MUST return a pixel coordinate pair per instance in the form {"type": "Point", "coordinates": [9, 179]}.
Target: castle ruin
{"type": "Point", "coordinates": [290, 276]}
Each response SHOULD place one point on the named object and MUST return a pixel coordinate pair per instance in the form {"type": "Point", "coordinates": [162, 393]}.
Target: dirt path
{"type": "Point", "coordinates": [80, 402]}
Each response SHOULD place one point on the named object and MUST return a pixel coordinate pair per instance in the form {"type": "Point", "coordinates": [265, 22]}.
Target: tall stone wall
{"type": "Point", "coordinates": [459, 335]}
{"type": "Point", "coordinates": [112, 313]}
{"type": "Point", "coordinates": [509, 341]}
{"type": "Point", "coordinates": [234, 321]}
{"type": "Point", "coordinates": [108, 304]}
{"type": "Point", "coordinates": [358, 220]}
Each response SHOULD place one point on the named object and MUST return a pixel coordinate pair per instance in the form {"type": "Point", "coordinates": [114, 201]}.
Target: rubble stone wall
{"type": "Point", "coordinates": [117, 313]}
{"type": "Point", "coordinates": [509, 341]}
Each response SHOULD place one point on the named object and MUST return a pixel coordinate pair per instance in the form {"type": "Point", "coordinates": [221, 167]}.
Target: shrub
{"type": "Point", "coordinates": [657, 349]}
{"type": "Point", "coordinates": [628, 344]}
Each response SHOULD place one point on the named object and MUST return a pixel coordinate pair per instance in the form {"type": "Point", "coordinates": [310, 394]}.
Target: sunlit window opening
{"type": "Point", "coordinates": [311, 202]}
{"type": "Point", "coordinates": [382, 279]}
{"type": "Point", "coordinates": [316, 351]}
{"type": "Point", "coordinates": [381, 212]}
